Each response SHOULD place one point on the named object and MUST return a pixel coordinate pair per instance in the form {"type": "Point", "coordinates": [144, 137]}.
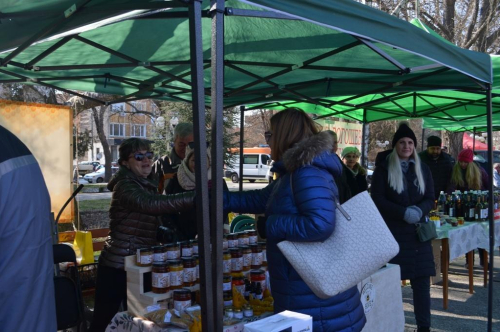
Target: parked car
{"type": "Point", "coordinates": [87, 167]}
{"type": "Point", "coordinates": [98, 176]}
{"type": "Point", "coordinates": [255, 166]}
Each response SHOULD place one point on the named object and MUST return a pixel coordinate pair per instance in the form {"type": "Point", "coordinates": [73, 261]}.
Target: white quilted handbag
{"type": "Point", "coordinates": [360, 244]}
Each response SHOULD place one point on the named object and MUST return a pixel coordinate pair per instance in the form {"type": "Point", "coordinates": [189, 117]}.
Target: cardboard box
{"type": "Point", "coordinates": [288, 321]}
{"type": "Point", "coordinates": [436, 251]}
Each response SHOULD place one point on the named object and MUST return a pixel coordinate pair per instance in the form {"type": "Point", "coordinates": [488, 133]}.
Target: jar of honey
{"type": "Point", "coordinates": [173, 251]}
{"type": "Point", "coordinates": [160, 277]}
{"type": "Point", "coordinates": [259, 276]}
{"type": "Point", "coordinates": [176, 274]}
{"type": "Point", "coordinates": [232, 240]}
{"type": "Point", "coordinates": [186, 249]}
{"type": "Point", "coordinates": [182, 299]}
{"type": "Point", "coordinates": [256, 256]}
{"type": "Point", "coordinates": [247, 257]}
{"type": "Point", "coordinates": [252, 236]}
{"type": "Point", "coordinates": [225, 243]}
{"type": "Point", "coordinates": [236, 259]}
{"type": "Point", "coordinates": [226, 283]}
{"type": "Point", "coordinates": [189, 274]}
{"type": "Point", "coordinates": [262, 246]}
{"type": "Point", "coordinates": [194, 243]}
{"type": "Point", "coordinates": [243, 239]}
{"type": "Point", "coordinates": [226, 263]}
{"type": "Point", "coordinates": [228, 298]}
{"type": "Point", "coordinates": [159, 254]}
{"type": "Point", "coordinates": [239, 284]}
{"type": "Point", "coordinates": [144, 257]}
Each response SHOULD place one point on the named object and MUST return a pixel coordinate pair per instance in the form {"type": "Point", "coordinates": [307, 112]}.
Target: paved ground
{"type": "Point", "coordinates": [466, 312]}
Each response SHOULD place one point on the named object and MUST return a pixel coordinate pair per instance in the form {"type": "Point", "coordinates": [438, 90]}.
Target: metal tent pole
{"type": "Point", "coordinates": [242, 136]}
{"type": "Point", "coordinates": [423, 134]}
{"type": "Point", "coordinates": [202, 202]}
{"type": "Point", "coordinates": [217, 227]}
{"type": "Point", "coordinates": [363, 141]}
{"type": "Point", "coordinates": [490, 209]}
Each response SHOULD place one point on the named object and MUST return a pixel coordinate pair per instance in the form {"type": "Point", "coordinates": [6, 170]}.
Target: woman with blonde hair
{"type": "Point", "coordinates": [403, 190]}
{"type": "Point", "coordinates": [355, 174]}
{"type": "Point", "coordinates": [467, 175]}
{"type": "Point", "coordinates": [300, 206]}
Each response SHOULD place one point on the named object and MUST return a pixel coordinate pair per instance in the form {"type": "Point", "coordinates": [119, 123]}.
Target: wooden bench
{"type": "Point", "coordinates": [98, 237]}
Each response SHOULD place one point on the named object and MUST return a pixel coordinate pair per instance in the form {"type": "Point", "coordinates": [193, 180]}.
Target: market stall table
{"type": "Point", "coordinates": [484, 243]}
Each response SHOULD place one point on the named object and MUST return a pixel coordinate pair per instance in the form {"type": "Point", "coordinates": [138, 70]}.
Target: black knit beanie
{"type": "Point", "coordinates": [404, 131]}
{"type": "Point", "coordinates": [433, 141]}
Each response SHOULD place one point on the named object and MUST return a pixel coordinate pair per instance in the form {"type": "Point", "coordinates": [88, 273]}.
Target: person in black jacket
{"type": "Point", "coordinates": [402, 188]}
{"type": "Point", "coordinates": [341, 180]}
{"type": "Point", "coordinates": [184, 224]}
{"type": "Point", "coordinates": [355, 174]}
{"type": "Point", "coordinates": [440, 164]}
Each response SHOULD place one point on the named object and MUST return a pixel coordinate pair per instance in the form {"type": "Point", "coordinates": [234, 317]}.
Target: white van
{"type": "Point", "coordinates": [255, 167]}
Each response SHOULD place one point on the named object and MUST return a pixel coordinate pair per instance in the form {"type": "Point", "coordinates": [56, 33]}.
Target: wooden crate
{"type": "Point", "coordinates": [137, 299]}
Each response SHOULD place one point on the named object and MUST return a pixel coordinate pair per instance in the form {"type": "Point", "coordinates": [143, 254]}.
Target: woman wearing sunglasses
{"type": "Point", "coordinates": [135, 222]}
{"type": "Point", "coordinates": [300, 206]}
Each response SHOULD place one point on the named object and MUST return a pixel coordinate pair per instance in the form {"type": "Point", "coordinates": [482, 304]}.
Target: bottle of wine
{"type": "Point", "coordinates": [469, 209]}
{"type": "Point", "coordinates": [484, 215]}
{"type": "Point", "coordinates": [441, 202]}
{"type": "Point", "coordinates": [478, 210]}
{"type": "Point", "coordinates": [451, 206]}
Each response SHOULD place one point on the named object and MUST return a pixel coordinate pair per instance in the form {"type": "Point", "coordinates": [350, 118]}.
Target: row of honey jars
{"type": "Point", "coordinates": [235, 240]}
{"type": "Point", "coordinates": [175, 274]}
{"type": "Point", "coordinates": [167, 252]}
{"type": "Point", "coordinates": [243, 258]}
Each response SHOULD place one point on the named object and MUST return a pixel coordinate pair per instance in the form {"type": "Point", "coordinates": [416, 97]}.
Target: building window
{"type": "Point", "coordinates": [118, 108]}
{"type": "Point", "coordinates": [116, 129]}
{"type": "Point", "coordinates": [138, 105]}
{"type": "Point", "coordinates": [138, 131]}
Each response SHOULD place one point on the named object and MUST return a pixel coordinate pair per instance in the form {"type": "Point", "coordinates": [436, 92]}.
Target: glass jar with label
{"type": "Point", "coordinates": [226, 283]}
{"type": "Point", "coordinates": [252, 236]}
{"type": "Point", "coordinates": [238, 314]}
{"type": "Point", "coordinates": [236, 259]}
{"type": "Point", "coordinates": [228, 298]}
{"type": "Point", "coordinates": [226, 263]}
{"type": "Point", "coordinates": [176, 274]}
{"type": "Point", "coordinates": [239, 284]}
{"type": "Point", "coordinates": [232, 240]}
{"type": "Point", "coordinates": [186, 249]}
{"type": "Point", "coordinates": [182, 299]}
{"type": "Point", "coordinates": [247, 257]}
{"type": "Point", "coordinates": [228, 312]}
{"type": "Point", "coordinates": [258, 276]}
{"type": "Point", "coordinates": [144, 257]}
{"type": "Point", "coordinates": [242, 239]}
{"type": "Point", "coordinates": [225, 243]}
{"type": "Point", "coordinates": [159, 254]}
{"type": "Point", "coordinates": [173, 251]}
{"type": "Point", "coordinates": [247, 311]}
{"type": "Point", "coordinates": [194, 243]}
{"type": "Point", "coordinates": [189, 274]}
{"type": "Point", "coordinates": [262, 246]}
{"type": "Point", "coordinates": [160, 277]}
{"type": "Point", "coordinates": [256, 256]}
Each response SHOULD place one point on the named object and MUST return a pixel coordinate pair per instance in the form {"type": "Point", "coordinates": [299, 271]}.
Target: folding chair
{"type": "Point", "coordinates": [68, 293]}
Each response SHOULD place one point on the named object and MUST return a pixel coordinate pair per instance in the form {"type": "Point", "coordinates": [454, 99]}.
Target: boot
{"type": "Point", "coordinates": [423, 329]}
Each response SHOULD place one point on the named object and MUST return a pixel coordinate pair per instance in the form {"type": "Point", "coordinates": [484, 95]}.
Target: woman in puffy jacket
{"type": "Point", "coordinates": [300, 206]}
{"type": "Point", "coordinates": [403, 190]}
{"type": "Point", "coordinates": [134, 223]}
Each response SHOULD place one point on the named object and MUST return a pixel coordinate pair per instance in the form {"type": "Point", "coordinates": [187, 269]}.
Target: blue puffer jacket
{"type": "Point", "coordinates": [306, 215]}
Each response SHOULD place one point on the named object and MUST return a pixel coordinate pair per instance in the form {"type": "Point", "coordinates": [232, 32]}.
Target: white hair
{"type": "Point", "coordinates": [395, 175]}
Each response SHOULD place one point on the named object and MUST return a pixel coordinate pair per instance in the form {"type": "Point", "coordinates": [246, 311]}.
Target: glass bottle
{"type": "Point", "coordinates": [479, 207]}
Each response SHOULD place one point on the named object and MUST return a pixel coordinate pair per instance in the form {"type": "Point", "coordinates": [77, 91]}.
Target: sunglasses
{"type": "Point", "coordinates": [191, 145]}
{"type": "Point", "coordinates": [267, 136]}
{"type": "Point", "coordinates": [140, 156]}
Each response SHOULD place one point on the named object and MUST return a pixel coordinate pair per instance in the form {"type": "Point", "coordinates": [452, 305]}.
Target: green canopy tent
{"type": "Point", "coordinates": [258, 51]}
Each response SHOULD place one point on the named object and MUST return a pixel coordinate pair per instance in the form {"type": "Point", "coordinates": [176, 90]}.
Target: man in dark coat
{"type": "Point", "coordinates": [440, 164]}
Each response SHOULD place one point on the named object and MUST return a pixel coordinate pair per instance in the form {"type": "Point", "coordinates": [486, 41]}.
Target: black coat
{"type": "Point", "coordinates": [441, 170]}
{"type": "Point", "coordinates": [357, 183]}
{"type": "Point", "coordinates": [342, 183]}
{"type": "Point", "coordinates": [415, 258]}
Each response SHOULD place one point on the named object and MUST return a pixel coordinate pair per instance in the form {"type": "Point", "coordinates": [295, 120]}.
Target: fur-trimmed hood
{"type": "Point", "coordinates": [315, 150]}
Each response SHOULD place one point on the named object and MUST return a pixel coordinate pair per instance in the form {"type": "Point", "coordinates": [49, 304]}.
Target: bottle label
{"type": "Point", "coordinates": [258, 296]}
{"type": "Point", "coordinates": [173, 254]}
{"type": "Point", "coordinates": [146, 259]}
{"type": "Point", "coordinates": [176, 278]}
{"type": "Point", "coordinates": [247, 259]}
{"type": "Point", "coordinates": [158, 257]}
{"type": "Point", "coordinates": [264, 256]}
{"type": "Point", "coordinates": [226, 286]}
{"type": "Point", "coordinates": [187, 252]}
{"type": "Point", "coordinates": [226, 266]}
{"type": "Point", "coordinates": [228, 303]}
{"type": "Point", "coordinates": [190, 274]}
{"type": "Point", "coordinates": [252, 239]}
{"type": "Point", "coordinates": [161, 280]}
{"type": "Point", "coordinates": [471, 214]}
{"type": "Point", "coordinates": [195, 250]}
{"type": "Point", "coordinates": [484, 214]}
{"type": "Point", "coordinates": [243, 241]}
{"type": "Point", "coordinates": [237, 264]}
{"type": "Point", "coordinates": [225, 245]}
{"type": "Point", "coordinates": [232, 243]}
{"type": "Point", "coordinates": [257, 258]}
{"type": "Point", "coordinates": [452, 212]}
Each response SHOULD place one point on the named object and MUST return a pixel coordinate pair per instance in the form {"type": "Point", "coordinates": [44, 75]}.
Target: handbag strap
{"type": "Point", "coordinates": [337, 203]}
